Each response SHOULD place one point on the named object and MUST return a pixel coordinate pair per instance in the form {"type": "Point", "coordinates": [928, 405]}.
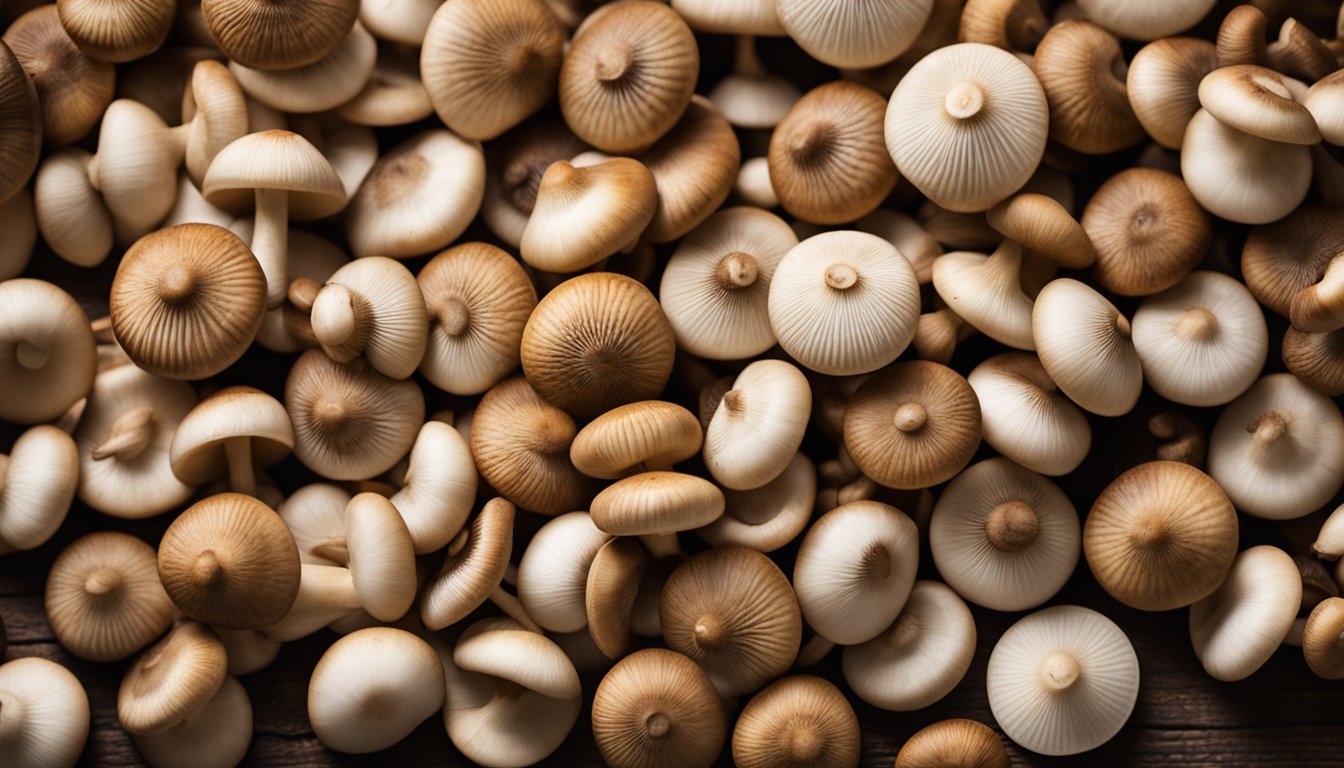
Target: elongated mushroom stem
{"type": "Point", "coordinates": [129, 436]}
{"type": "Point", "coordinates": [238, 454]}
{"type": "Point", "coordinates": [661, 545]}
{"type": "Point", "coordinates": [814, 650]}
{"type": "Point", "coordinates": [513, 608]}
{"type": "Point", "coordinates": [333, 549]}
{"type": "Point", "coordinates": [746, 62]}
{"type": "Point", "coordinates": [270, 242]}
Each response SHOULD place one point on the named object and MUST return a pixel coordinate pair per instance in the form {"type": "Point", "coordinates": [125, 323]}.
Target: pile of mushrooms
{"type": "Point", "coordinates": [544, 356]}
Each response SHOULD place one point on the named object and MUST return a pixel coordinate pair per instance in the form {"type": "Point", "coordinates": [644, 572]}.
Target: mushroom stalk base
{"type": "Point", "coordinates": [238, 452]}
{"type": "Point", "coordinates": [270, 243]}
{"type": "Point", "coordinates": [814, 650]}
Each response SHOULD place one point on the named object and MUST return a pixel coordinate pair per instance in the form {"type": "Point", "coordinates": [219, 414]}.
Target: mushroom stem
{"type": "Point", "coordinates": [207, 570]}
{"type": "Point", "coordinates": [102, 330]}
{"type": "Point", "coordinates": [1012, 526]}
{"type": "Point", "coordinates": [657, 725]}
{"type": "Point", "coordinates": [746, 62]}
{"type": "Point", "coordinates": [129, 436]}
{"type": "Point", "coordinates": [736, 271]}
{"type": "Point", "coordinates": [1196, 324]}
{"type": "Point", "coordinates": [238, 454]}
{"type": "Point", "coordinates": [302, 292]}
{"type": "Point", "coordinates": [661, 545]}
{"type": "Point", "coordinates": [513, 608]}
{"type": "Point", "coordinates": [841, 277]}
{"type": "Point", "coordinates": [341, 322]}
{"type": "Point", "coordinates": [31, 356]}
{"type": "Point", "coordinates": [814, 650]}
{"type": "Point", "coordinates": [102, 581]}
{"type": "Point", "coordinates": [964, 101]}
{"type": "Point", "coordinates": [1269, 428]}
{"type": "Point", "coordinates": [333, 549]}
{"type": "Point", "coordinates": [910, 417]}
{"type": "Point", "coordinates": [453, 316]}
{"type": "Point", "coordinates": [270, 242]}
{"type": "Point", "coordinates": [1059, 672]}
{"type": "Point", "coordinates": [708, 632]}
{"type": "Point", "coordinates": [614, 63]}
{"type": "Point", "coordinates": [177, 138]}
{"type": "Point", "coordinates": [804, 744]}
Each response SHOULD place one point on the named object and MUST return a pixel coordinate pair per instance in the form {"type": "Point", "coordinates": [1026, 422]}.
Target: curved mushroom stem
{"type": "Point", "coordinates": [129, 436]}
{"type": "Point", "coordinates": [270, 242]}
{"type": "Point", "coordinates": [511, 575]}
{"type": "Point", "coordinates": [746, 62]}
{"type": "Point", "coordinates": [238, 454]}
{"type": "Point", "coordinates": [178, 137]}
{"type": "Point", "coordinates": [814, 650]}
{"type": "Point", "coordinates": [513, 608]}
{"type": "Point", "coordinates": [333, 549]}
{"type": "Point", "coordinates": [1004, 266]}
{"type": "Point", "coordinates": [341, 322]}
{"type": "Point", "coordinates": [661, 545]}
{"type": "Point", "coordinates": [1059, 672]}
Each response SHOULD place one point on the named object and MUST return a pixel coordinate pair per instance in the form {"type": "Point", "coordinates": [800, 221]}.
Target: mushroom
{"type": "Point", "coordinates": [909, 237]}
{"type": "Point", "coordinates": [1300, 52]}
{"type": "Point", "coordinates": [18, 219]}
{"type": "Point", "coordinates": [658, 708]}
{"type": "Point", "coordinates": [1025, 417]}
{"type": "Point", "coordinates": [1322, 101]}
{"type": "Point", "coordinates": [1062, 680]}
{"type": "Point", "coordinates": [1237, 628]}
{"type": "Point", "coordinates": [419, 197]}
{"type": "Point", "coordinates": [827, 164]}
{"type": "Point", "coordinates": [1084, 344]}
{"type": "Point", "coordinates": [597, 341]}
{"type": "Point", "coordinates": [1278, 449]}
{"type": "Point", "coordinates": [1316, 358]}
{"type": "Point", "coordinates": [1329, 543]}
{"type": "Point", "coordinates": [326, 594]}
{"type": "Point", "coordinates": [514, 167]}
{"type": "Point", "coordinates": [753, 184]}
{"type": "Point", "coordinates": [1202, 342]}
{"type": "Point", "coordinates": [750, 17]}
{"type": "Point", "coordinates": [394, 94]}
{"type": "Point", "coordinates": [124, 439]}
{"type": "Point", "coordinates": [398, 21]}
{"type": "Point", "coordinates": [103, 598]}
{"type": "Point", "coordinates": [843, 303]}
{"type": "Point", "coordinates": [1163, 84]}
{"type": "Point", "coordinates": [438, 488]}
{"type": "Point", "coordinates": [1161, 536]}
{"type": "Point", "coordinates": [1082, 71]}
{"type": "Point", "coordinates": [289, 36]}
{"type": "Point", "coordinates": [372, 307]}
{"type": "Point", "coordinates": [215, 736]}
{"type": "Point", "coordinates": [751, 96]}
{"type": "Point", "coordinates": [842, 35]}
{"type": "Point", "coordinates": [350, 421]}
{"type": "Point", "coordinates": [613, 585]}
{"type": "Point", "coordinates": [21, 135]}
{"type": "Point", "coordinates": [656, 504]}
{"type": "Point", "coordinates": [1043, 226]}
{"type": "Point", "coordinates": [1147, 19]}
{"type": "Point", "coordinates": [553, 571]}
{"type": "Point", "coordinates": [230, 561]}
{"type": "Point", "coordinates": [758, 425]}
{"type": "Point", "coordinates": [628, 76]}
{"type": "Point", "coordinates": [1241, 36]}
{"type": "Point", "coordinates": [248, 651]}
{"type": "Point", "coordinates": [769, 517]}
{"type": "Point", "coordinates": [920, 657]}
{"type": "Point", "coordinates": [694, 166]}
{"type": "Point", "coordinates": [37, 484]}
{"type": "Point", "coordinates": [988, 292]}
{"type": "Point", "coordinates": [116, 33]}
{"type": "Point", "coordinates": [1319, 308]}
{"type": "Point", "coordinates": [237, 430]}
{"type": "Point", "coordinates": [961, 742]}
{"type": "Point", "coordinates": [1257, 101]}
{"type": "Point", "coordinates": [46, 714]}
{"type": "Point", "coordinates": [733, 612]}
{"type": "Point", "coordinates": [963, 149]}
{"type": "Point", "coordinates": [381, 556]}
{"type": "Point", "coordinates": [1013, 25]}
{"type": "Point", "coordinates": [1240, 177]}
{"type": "Point", "coordinates": [315, 517]}
{"type": "Point", "coordinates": [47, 356]}
{"type": "Point", "coordinates": [489, 64]}
{"type": "Point", "coordinates": [585, 213]}
{"type": "Point", "coordinates": [1321, 644]}
{"type": "Point", "coordinates": [914, 425]}
{"type": "Point", "coordinates": [172, 680]}
{"type": "Point", "coordinates": [796, 720]}
{"type": "Point", "coordinates": [1282, 259]}
{"type": "Point", "coordinates": [372, 688]}
{"type": "Point", "coordinates": [73, 88]}
{"type": "Point", "coordinates": [648, 435]}
{"type": "Point", "coordinates": [1004, 537]}
{"type": "Point", "coordinates": [471, 574]}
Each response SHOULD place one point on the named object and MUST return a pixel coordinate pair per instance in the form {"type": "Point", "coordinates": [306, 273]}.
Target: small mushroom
{"type": "Point", "coordinates": [796, 720]}
{"type": "Point", "coordinates": [215, 736]}
{"type": "Point", "coordinates": [1282, 259]}
{"type": "Point", "coordinates": [1043, 227]}
{"type": "Point", "coordinates": [1257, 101]}
{"type": "Point", "coordinates": [237, 431]}
{"type": "Point", "coordinates": [46, 714]}
{"type": "Point", "coordinates": [278, 38]}
{"type": "Point", "coordinates": [1082, 70]}
{"type": "Point", "coordinates": [1240, 177]}
{"type": "Point", "coordinates": [514, 167]}
{"type": "Point", "coordinates": [372, 307]}
{"type": "Point", "coordinates": [38, 480]}
{"type": "Point", "coordinates": [658, 708]}
{"type": "Point", "coordinates": [585, 213]}
{"type": "Point", "coordinates": [553, 571]}
{"type": "Point", "coordinates": [73, 88]}
{"type": "Point", "coordinates": [758, 425]}
{"type": "Point", "coordinates": [1085, 346]}
{"type": "Point", "coordinates": [751, 96]}
{"type": "Point", "coordinates": [648, 435]}
{"type": "Point", "coordinates": [381, 556]}
{"type": "Point", "coordinates": [1147, 19]}
{"type": "Point", "coordinates": [438, 488]}
{"type": "Point", "coordinates": [1025, 417]}
{"type": "Point", "coordinates": [1163, 84]}
{"type": "Point", "coordinates": [1237, 628]}
{"type": "Point", "coordinates": [614, 579]}
{"type": "Point", "coordinates": [471, 574]}
{"type": "Point", "coordinates": [47, 356]}
{"type": "Point", "coordinates": [769, 517]}
{"type": "Point", "coordinates": [1321, 643]}
{"type": "Point", "coordinates": [249, 651]}
{"type": "Point", "coordinates": [1300, 52]}
{"type": "Point", "coordinates": [172, 680]}
{"type": "Point", "coordinates": [966, 743]}
{"type": "Point", "coordinates": [842, 35]}
{"type": "Point", "coordinates": [988, 292]}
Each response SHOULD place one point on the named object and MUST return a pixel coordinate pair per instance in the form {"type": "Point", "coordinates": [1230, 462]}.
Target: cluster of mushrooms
{"type": "Point", "coordinates": [605, 393]}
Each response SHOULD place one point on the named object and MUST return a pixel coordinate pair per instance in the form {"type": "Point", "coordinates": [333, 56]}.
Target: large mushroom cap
{"type": "Point", "coordinates": [40, 476]}
{"type": "Point", "coordinates": [46, 714]}
{"type": "Point", "coordinates": [1146, 19]}
{"type": "Point", "coordinates": [959, 742]}
{"type": "Point", "coordinates": [844, 35]}
{"type": "Point", "coordinates": [758, 425]}
{"type": "Point", "coordinates": [585, 213]}
{"type": "Point", "coordinates": [1084, 343]}
{"type": "Point", "coordinates": [47, 356]}
{"type": "Point", "coordinates": [648, 435]}
{"type": "Point", "coordinates": [1239, 626]}
{"type": "Point", "coordinates": [73, 88]}
{"type": "Point", "coordinates": [798, 719]}
{"type": "Point", "coordinates": [694, 167]}
{"type": "Point", "coordinates": [172, 680]}
{"type": "Point", "coordinates": [989, 292]}
{"type": "Point", "coordinates": [215, 736]}
{"type": "Point", "coordinates": [439, 487]}
{"type": "Point", "coordinates": [658, 709]}
{"type": "Point", "coordinates": [1241, 177]}
{"type": "Point", "coordinates": [278, 36]}
{"type": "Point", "coordinates": [653, 503]}
{"type": "Point", "coordinates": [1163, 85]}
{"type": "Point", "coordinates": [1025, 417]}
{"type": "Point", "coordinates": [382, 556]}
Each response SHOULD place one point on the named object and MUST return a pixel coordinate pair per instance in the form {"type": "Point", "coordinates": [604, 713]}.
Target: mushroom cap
{"type": "Point", "coordinates": [1082, 70]}
{"type": "Point", "coordinates": [967, 743]}
{"type": "Point", "coordinates": [124, 439]}
{"type": "Point", "coordinates": [315, 517]}
{"type": "Point", "coordinates": [914, 425]}
{"type": "Point", "coordinates": [1161, 536]}
{"type": "Point", "coordinates": [234, 413]}
{"type": "Point", "coordinates": [1257, 101]}
{"type": "Point", "coordinates": [514, 167]}
{"type": "Point", "coordinates": [103, 598]}
{"type": "Point", "coordinates": [73, 88]}
{"type": "Point", "coordinates": [1004, 537]}
{"type": "Point", "coordinates": [278, 36]}
{"type": "Point", "coordinates": [1278, 449]}
{"type": "Point", "coordinates": [172, 680]}
{"type": "Point", "coordinates": [47, 358]}
{"type": "Point", "coordinates": [187, 300]}
{"type": "Point", "coordinates": [748, 17]}
{"type": "Point", "coordinates": [909, 237]}
{"type": "Point", "coordinates": [372, 306]}
{"type": "Point", "coordinates": [439, 487]}
{"type": "Point", "coordinates": [215, 736]}
{"type": "Point", "coordinates": [920, 657]}
{"type": "Point", "coordinates": [651, 434]}
{"type": "Point", "coordinates": [584, 214]}
{"type": "Point", "coordinates": [1282, 258]}
{"type": "Point", "coordinates": [961, 148]}
{"type": "Point", "coordinates": [1239, 626]}
{"type": "Point", "coordinates": [489, 64]}
{"type": "Point", "coordinates": [1147, 19]}
{"type": "Point", "coordinates": [1321, 639]}
{"type": "Point", "coordinates": [469, 575]}
{"type": "Point", "coordinates": [503, 649]}
{"type": "Point", "coordinates": [842, 35]}
{"type": "Point", "coordinates": [40, 476]}
{"type": "Point", "coordinates": [394, 94]}
{"type": "Point", "coordinates": [658, 709]}
{"type": "Point", "coordinates": [1025, 417]}
{"type": "Point", "coordinates": [21, 131]}
{"type": "Point", "coordinates": [479, 299]}
{"type": "Point", "coordinates": [769, 517]}
{"type": "Point", "coordinates": [609, 597]}
{"type": "Point", "coordinates": [843, 303]}
{"type": "Point", "coordinates": [350, 421]}
{"type": "Point", "coordinates": [694, 166]}
{"type": "Point", "coordinates": [989, 292]}
{"type": "Point", "coordinates": [628, 76]}
{"type": "Point", "coordinates": [1316, 358]}
{"type": "Point", "coordinates": [135, 167]}
{"type": "Point", "coordinates": [1163, 85]}
{"type": "Point", "coordinates": [1043, 226]}
{"type": "Point", "coordinates": [828, 163]}
{"type": "Point", "coordinates": [656, 503]}
{"type": "Point", "coordinates": [372, 688]}
{"type": "Point", "coordinates": [1240, 177]}
{"type": "Point", "coordinates": [1148, 230]}
{"type": "Point", "coordinates": [1084, 344]}
{"type": "Point", "coordinates": [214, 110]}
{"type": "Point", "coordinates": [753, 185]}
{"type": "Point", "coordinates": [597, 341]}
{"type": "Point", "coordinates": [1062, 680]}
{"type": "Point", "coordinates": [797, 719]}
{"type": "Point", "coordinates": [1322, 100]}
{"type": "Point", "coordinates": [50, 714]}
{"type": "Point", "coordinates": [758, 425]}
{"type": "Point", "coordinates": [230, 561]}
{"type": "Point", "coordinates": [854, 570]}
{"type": "Point", "coordinates": [521, 446]}
{"type": "Point", "coordinates": [1202, 342]}
{"type": "Point", "coordinates": [732, 611]}
{"type": "Point", "coordinates": [751, 96]}
{"type": "Point", "coordinates": [419, 196]}
{"type": "Point", "coordinates": [277, 160]}
{"type": "Point", "coordinates": [715, 289]}
{"type": "Point", "coordinates": [553, 571]}
{"type": "Point", "coordinates": [382, 557]}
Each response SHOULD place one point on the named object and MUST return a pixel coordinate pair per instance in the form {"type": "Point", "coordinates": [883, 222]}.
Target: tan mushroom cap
{"type": "Point", "coordinates": [19, 219]}
{"type": "Point", "coordinates": [658, 709]}
{"type": "Point", "coordinates": [278, 37]}
{"type": "Point", "coordinates": [1322, 101]}
{"type": "Point", "coordinates": [103, 598]}
{"type": "Point", "coordinates": [1084, 344]}
{"type": "Point", "coordinates": [694, 166]}
{"type": "Point", "coordinates": [502, 649]}
{"type": "Point", "coordinates": [515, 164]}
{"type": "Point", "coordinates": [733, 612]}
{"type": "Point", "coordinates": [215, 736]}
{"type": "Point", "coordinates": [1241, 177]}
{"type": "Point", "coordinates": [1316, 358]}
{"type": "Point", "coordinates": [1321, 639]}
{"type": "Point", "coordinates": [172, 680]}
{"type": "Point", "coordinates": [758, 425]}
{"type": "Point", "coordinates": [21, 134]}
{"type": "Point", "coordinates": [799, 719]}
{"type": "Point", "coordinates": [46, 351]}
{"type": "Point", "coordinates": [472, 570]}
{"type": "Point", "coordinates": [1082, 70]}
{"type": "Point", "coordinates": [394, 94]}
{"type": "Point", "coordinates": [656, 503]}
{"type": "Point", "coordinates": [230, 561]}
{"type": "Point", "coordinates": [1045, 227]}
{"type": "Point", "coordinates": [585, 214]}
{"type": "Point", "coordinates": [913, 425]}
{"type": "Point", "coordinates": [1237, 628]}
{"type": "Point", "coordinates": [73, 88]}
{"type": "Point", "coordinates": [38, 480]}
{"type": "Point", "coordinates": [1257, 101]}
{"type": "Point", "coordinates": [281, 161]}
{"type": "Point", "coordinates": [614, 578]}
{"type": "Point", "coordinates": [749, 17]}
{"type": "Point", "coordinates": [1279, 260]}
{"type": "Point", "coordinates": [48, 720]}
{"type": "Point", "coordinates": [1163, 85]}
{"type": "Point", "coordinates": [372, 307]}
{"type": "Point", "coordinates": [960, 742]}
{"type": "Point", "coordinates": [647, 435]}
{"type": "Point", "coordinates": [1025, 417]}
{"type": "Point", "coordinates": [382, 557]}
{"type": "Point", "coordinates": [769, 517]}
{"type": "Point", "coordinates": [237, 431]}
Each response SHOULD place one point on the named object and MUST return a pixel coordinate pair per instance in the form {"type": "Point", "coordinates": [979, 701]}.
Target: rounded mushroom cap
{"type": "Point", "coordinates": [748, 17]}
{"type": "Point", "coordinates": [758, 425]}
{"type": "Point", "coordinates": [553, 571]}
{"type": "Point", "coordinates": [514, 167]}
{"type": "Point", "coordinates": [842, 35]}
{"type": "Point", "coordinates": [1321, 639]}
{"type": "Point", "coordinates": [230, 561]}
{"type": "Point", "coordinates": [277, 36]}
{"type": "Point", "coordinates": [1147, 229]}
{"type": "Point", "coordinates": [1240, 177]}
{"type": "Point", "coordinates": [215, 736]}
{"type": "Point", "coordinates": [503, 649]}
{"type": "Point", "coordinates": [614, 580]}
{"type": "Point", "coordinates": [960, 742]}
{"type": "Point", "coordinates": [597, 341]}
{"type": "Point", "coordinates": [694, 166]}
{"type": "Point", "coordinates": [103, 598]}
{"type": "Point", "coordinates": [372, 306]}
{"type": "Point", "coordinates": [799, 719]}
{"type": "Point", "coordinates": [732, 611]}
{"type": "Point", "coordinates": [382, 557]}
{"type": "Point", "coordinates": [648, 435]}
{"type": "Point", "coordinates": [277, 160]}
{"type": "Point", "coordinates": [656, 503]}
{"type": "Point", "coordinates": [843, 303]}
{"type": "Point", "coordinates": [21, 131]}
{"type": "Point", "coordinates": [1062, 680]}
{"type": "Point", "coordinates": [920, 657]}
{"type": "Point", "coordinates": [47, 358]}
{"type": "Point", "coordinates": [767, 518]}
{"type": "Point", "coordinates": [232, 414]}
{"type": "Point", "coordinates": [1322, 100]}
{"type": "Point", "coordinates": [967, 125]}
{"type": "Point", "coordinates": [175, 678]}
{"type": "Point", "coordinates": [1082, 70]}
{"type": "Point", "coordinates": [913, 425]}
{"type": "Point", "coordinates": [1043, 226]}
{"type": "Point", "coordinates": [1239, 626]}
{"type": "Point", "coordinates": [372, 688]}
{"type": "Point", "coordinates": [37, 484]}
{"type": "Point", "coordinates": [1278, 449]}
{"type": "Point", "coordinates": [315, 517]}
{"type": "Point", "coordinates": [1257, 101]}
{"type": "Point", "coordinates": [73, 89]}
{"type": "Point", "coordinates": [46, 718]}
{"type": "Point", "coordinates": [1281, 259]}
{"type": "Point", "coordinates": [1025, 417]}
{"type": "Point", "coordinates": [1163, 85]}
{"type": "Point", "coordinates": [990, 292]}
{"type": "Point", "coordinates": [439, 487]}
{"type": "Point", "coordinates": [584, 214]}
{"type": "Point", "coordinates": [1146, 19]}
{"type": "Point", "coordinates": [1084, 344]}
{"type": "Point", "coordinates": [1161, 536]}
{"type": "Point", "coordinates": [658, 709]}
{"type": "Point", "coordinates": [470, 574]}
